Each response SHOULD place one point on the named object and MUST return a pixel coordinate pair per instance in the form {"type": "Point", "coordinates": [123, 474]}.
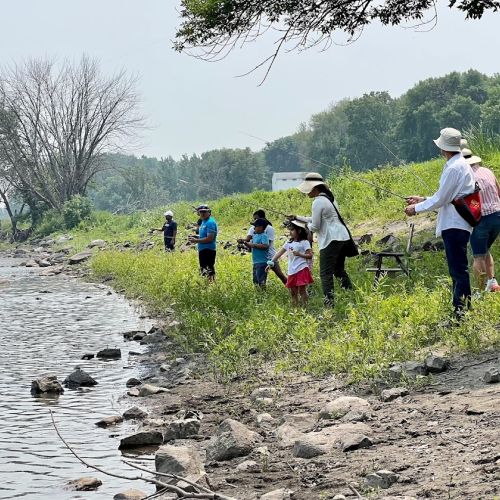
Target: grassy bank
{"type": "Point", "coordinates": [367, 330]}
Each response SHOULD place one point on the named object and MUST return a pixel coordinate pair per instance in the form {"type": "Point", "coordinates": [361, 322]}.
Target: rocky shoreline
{"type": "Point", "coordinates": [290, 436]}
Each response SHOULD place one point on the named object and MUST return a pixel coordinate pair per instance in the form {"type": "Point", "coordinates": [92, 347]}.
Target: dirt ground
{"type": "Point", "coordinates": [442, 439]}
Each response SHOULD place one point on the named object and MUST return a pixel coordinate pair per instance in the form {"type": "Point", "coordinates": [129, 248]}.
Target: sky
{"type": "Point", "coordinates": [193, 106]}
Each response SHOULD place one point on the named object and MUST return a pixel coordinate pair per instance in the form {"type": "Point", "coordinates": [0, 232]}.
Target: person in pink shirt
{"type": "Point", "coordinates": [487, 231]}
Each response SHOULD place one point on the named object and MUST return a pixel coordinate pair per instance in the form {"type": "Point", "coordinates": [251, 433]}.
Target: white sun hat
{"type": "Point", "coordinates": [470, 158]}
{"type": "Point", "coordinates": [311, 180]}
{"type": "Point", "coordinates": [449, 140]}
{"type": "Point", "coordinates": [169, 212]}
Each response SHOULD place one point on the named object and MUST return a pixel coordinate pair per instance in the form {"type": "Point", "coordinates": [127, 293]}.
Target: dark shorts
{"type": "Point", "coordinates": [259, 274]}
{"type": "Point", "coordinates": [169, 244]}
{"type": "Point", "coordinates": [207, 261]}
{"type": "Point", "coordinates": [485, 234]}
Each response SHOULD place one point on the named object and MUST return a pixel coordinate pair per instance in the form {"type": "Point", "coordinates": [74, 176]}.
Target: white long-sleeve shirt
{"type": "Point", "coordinates": [457, 179]}
{"type": "Point", "coordinates": [325, 222]}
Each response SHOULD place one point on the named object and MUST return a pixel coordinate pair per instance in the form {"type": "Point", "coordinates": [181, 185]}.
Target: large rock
{"type": "Point", "coordinates": [80, 257]}
{"type": "Point", "coordinates": [179, 460]}
{"type": "Point", "coordinates": [144, 438]}
{"type": "Point", "coordinates": [46, 384]}
{"type": "Point", "coordinates": [130, 494]}
{"type": "Point", "coordinates": [110, 353]}
{"type": "Point", "coordinates": [181, 429]}
{"type": "Point", "coordinates": [348, 407]}
{"type": "Point", "coordinates": [132, 382]}
{"type": "Point", "coordinates": [84, 484]}
{"type": "Point", "coordinates": [491, 376]}
{"type": "Point", "coordinates": [134, 413]}
{"type": "Point", "coordinates": [79, 378]}
{"type": "Point", "coordinates": [232, 439]}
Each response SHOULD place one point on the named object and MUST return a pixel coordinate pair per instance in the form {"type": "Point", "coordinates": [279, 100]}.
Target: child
{"type": "Point", "coordinates": [299, 254]}
{"type": "Point", "coordinates": [259, 246]}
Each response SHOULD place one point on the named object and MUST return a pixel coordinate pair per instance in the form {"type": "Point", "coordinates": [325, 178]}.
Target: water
{"type": "Point", "coordinates": [46, 325]}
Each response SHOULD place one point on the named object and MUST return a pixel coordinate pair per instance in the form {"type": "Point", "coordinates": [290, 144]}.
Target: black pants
{"type": "Point", "coordinates": [332, 263]}
{"type": "Point", "coordinates": [455, 246]}
{"type": "Point", "coordinates": [169, 243]}
{"type": "Point", "coordinates": [207, 261]}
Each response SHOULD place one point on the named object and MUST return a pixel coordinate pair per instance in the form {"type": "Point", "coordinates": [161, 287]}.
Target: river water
{"type": "Point", "coordinates": [46, 325]}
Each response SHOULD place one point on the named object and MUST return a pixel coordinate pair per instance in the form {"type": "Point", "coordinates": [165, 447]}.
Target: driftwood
{"type": "Point", "coordinates": [201, 492]}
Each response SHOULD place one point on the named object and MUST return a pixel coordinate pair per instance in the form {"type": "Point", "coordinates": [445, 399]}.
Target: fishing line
{"type": "Point", "coordinates": [402, 163]}
{"type": "Point", "coordinates": [364, 181]}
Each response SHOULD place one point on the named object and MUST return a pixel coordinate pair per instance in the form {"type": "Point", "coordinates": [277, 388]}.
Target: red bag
{"type": "Point", "coordinates": [469, 206]}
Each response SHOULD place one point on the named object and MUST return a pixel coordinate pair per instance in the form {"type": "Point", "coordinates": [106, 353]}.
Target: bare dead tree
{"type": "Point", "coordinates": [58, 121]}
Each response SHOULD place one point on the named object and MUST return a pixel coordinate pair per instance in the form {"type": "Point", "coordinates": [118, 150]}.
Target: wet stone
{"type": "Point", "coordinates": [130, 494]}
{"type": "Point", "coordinates": [144, 438]}
{"type": "Point", "coordinates": [110, 353]}
{"type": "Point", "coordinates": [132, 382]}
{"type": "Point", "coordinates": [84, 484]}
{"type": "Point", "coordinates": [88, 356]}
{"type": "Point", "coordinates": [46, 384]}
{"type": "Point", "coordinates": [109, 421]}
{"type": "Point", "coordinates": [79, 378]}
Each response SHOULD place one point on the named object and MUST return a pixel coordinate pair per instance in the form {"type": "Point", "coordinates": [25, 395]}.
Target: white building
{"type": "Point", "coordinates": [287, 180]}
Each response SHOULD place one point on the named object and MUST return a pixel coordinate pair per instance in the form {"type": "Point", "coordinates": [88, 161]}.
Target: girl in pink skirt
{"type": "Point", "coordinates": [299, 254]}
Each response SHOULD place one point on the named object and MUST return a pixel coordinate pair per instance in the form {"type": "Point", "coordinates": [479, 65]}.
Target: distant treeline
{"type": "Point", "coordinates": [363, 133]}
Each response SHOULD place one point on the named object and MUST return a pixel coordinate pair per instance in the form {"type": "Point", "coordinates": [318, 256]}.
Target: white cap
{"type": "Point", "coordinates": [449, 140]}
{"type": "Point", "coordinates": [169, 212]}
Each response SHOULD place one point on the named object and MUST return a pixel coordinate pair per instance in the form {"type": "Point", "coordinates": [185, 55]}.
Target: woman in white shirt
{"type": "Point", "coordinates": [332, 235]}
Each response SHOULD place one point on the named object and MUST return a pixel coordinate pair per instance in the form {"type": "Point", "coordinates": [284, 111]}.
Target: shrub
{"type": "Point", "coordinates": [76, 210]}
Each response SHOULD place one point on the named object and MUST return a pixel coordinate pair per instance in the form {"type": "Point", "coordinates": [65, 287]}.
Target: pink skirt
{"type": "Point", "coordinates": [302, 278]}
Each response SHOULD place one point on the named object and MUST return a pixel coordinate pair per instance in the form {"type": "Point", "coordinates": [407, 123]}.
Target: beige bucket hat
{"type": "Point", "coordinates": [299, 223]}
{"type": "Point", "coordinates": [470, 158]}
{"type": "Point", "coordinates": [449, 140]}
{"type": "Point", "coordinates": [311, 180]}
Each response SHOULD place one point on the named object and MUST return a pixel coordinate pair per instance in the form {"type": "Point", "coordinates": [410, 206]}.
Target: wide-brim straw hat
{"type": "Point", "coordinates": [311, 180]}
{"type": "Point", "coordinates": [449, 140]}
{"type": "Point", "coordinates": [299, 223]}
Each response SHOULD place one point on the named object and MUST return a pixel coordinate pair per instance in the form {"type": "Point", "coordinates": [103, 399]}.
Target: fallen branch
{"type": "Point", "coordinates": [354, 490]}
{"type": "Point", "coordinates": [209, 495]}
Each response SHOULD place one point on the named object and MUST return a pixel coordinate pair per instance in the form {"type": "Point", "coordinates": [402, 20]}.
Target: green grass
{"type": "Point", "coordinates": [367, 330]}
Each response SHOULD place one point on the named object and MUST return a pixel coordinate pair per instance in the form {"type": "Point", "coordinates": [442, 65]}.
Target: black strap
{"type": "Point", "coordinates": [338, 215]}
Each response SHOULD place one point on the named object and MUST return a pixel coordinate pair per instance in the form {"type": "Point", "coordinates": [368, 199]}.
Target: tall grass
{"type": "Point", "coordinates": [241, 328]}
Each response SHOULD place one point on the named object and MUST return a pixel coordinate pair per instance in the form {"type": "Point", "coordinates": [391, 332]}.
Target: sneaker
{"type": "Point", "coordinates": [491, 284]}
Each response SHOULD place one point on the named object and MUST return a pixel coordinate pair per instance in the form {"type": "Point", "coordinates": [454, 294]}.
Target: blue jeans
{"type": "Point", "coordinates": [259, 274]}
{"type": "Point", "coordinates": [455, 247]}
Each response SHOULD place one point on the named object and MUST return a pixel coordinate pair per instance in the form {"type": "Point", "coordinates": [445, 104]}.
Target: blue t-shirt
{"type": "Point", "coordinates": [208, 226]}
{"type": "Point", "coordinates": [259, 256]}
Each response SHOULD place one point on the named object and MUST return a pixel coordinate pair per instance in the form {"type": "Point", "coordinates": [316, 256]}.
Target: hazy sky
{"type": "Point", "coordinates": [194, 106]}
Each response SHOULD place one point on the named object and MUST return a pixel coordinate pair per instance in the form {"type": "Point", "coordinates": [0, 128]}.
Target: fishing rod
{"type": "Point", "coordinates": [364, 181]}
{"type": "Point", "coordinates": [401, 162]}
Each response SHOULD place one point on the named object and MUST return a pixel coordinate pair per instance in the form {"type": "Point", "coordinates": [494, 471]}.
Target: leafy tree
{"type": "Point", "coordinates": [284, 155]}
{"type": "Point", "coordinates": [214, 27]}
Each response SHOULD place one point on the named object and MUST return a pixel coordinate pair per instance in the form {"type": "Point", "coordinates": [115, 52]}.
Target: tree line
{"type": "Point", "coordinates": [363, 133]}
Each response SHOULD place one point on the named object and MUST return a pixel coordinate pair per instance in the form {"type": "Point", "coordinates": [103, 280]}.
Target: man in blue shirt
{"type": "Point", "coordinates": [207, 242]}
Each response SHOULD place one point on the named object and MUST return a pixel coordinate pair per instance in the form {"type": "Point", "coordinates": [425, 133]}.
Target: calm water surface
{"type": "Point", "coordinates": [46, 325]}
